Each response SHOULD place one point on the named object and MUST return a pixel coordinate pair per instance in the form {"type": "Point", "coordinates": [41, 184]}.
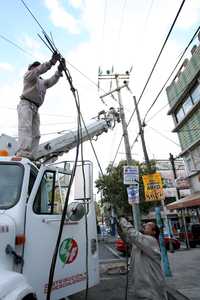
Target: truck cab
{"type": "Point", "coordinates": [31, 203]}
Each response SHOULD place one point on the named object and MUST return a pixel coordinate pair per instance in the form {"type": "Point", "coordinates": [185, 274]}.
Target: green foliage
{"type": "Point", "coordinates": [114, 191]}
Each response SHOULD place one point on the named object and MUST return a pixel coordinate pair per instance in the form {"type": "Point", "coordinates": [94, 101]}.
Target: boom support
{"type": "Point", "coordinates": [68, 141]}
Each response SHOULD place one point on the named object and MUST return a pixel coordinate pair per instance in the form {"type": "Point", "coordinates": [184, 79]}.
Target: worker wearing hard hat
{"type": "Point", "coordinates": [32, 97]}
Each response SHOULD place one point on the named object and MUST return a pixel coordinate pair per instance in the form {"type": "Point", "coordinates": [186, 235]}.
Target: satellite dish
{"type": "Point", "coordinates": [75, 211]}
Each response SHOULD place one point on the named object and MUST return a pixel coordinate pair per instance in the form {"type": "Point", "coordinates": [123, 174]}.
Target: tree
{"type": "Point", "coordinates": [114, 191]}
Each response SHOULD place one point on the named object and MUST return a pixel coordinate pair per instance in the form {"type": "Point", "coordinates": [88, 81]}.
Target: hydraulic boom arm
{"type": "Point", "coordinates": [68, 141]}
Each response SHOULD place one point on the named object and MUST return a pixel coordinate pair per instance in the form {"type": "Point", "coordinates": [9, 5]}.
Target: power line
{"type": "Point", "coordinates": [162, 48]}
{"type": "Point", "coordinates": [158, 57]}
{"type": "Point", "coordinates": [164, 136]}
{"type": "Point", "coordinates": [135, 141]}
{"type": "Point", "coordinates": [104, 21]}
{"type": "Point", "coordinates": [43, 114]}
{"type": "Point", "coordinates": [14, 44]}
{"type": "Point", "coordinates": [153, 103]}
{"type": "Point", "coordinates": [121, 20]}
{"type": "Point", "coordinates": [148, 13]}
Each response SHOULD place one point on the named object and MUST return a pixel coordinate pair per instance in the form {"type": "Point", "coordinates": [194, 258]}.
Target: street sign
{"type": "Point", "coordinates": [153, 187]}
{"type": "Point", "coordinates": [131, 175]}
{"type": "Point", "coordinates": [133, 194]}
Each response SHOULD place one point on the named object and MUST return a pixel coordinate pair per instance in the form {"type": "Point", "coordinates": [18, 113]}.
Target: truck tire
{"type": "Point", "coordinates": [30, 297]}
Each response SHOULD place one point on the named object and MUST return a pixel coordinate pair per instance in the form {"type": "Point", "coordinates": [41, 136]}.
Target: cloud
{"type": "Point", "coordinates": [6, 67]}
{"type": "Point", "coordinates": [75, 3]}
{"type": "Point", "coordinates": [61, 18]}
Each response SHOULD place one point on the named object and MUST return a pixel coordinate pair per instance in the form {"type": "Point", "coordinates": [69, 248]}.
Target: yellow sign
{"type": "Point", "coordinates": [153, 187]}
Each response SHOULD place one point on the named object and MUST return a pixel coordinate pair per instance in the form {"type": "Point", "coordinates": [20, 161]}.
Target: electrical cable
{"type": "Point", "coordinates": [164, 136]}
{"type": "Point", "coordinates": [161, 50]}
{"type": "Point", "coordinates": [53, 264]}
{"type": "Point", "coordinates": [135, 140]}
{"type": "Point", "coordinates": [121, 20]}
{"type": "Point", "coordinates": [15, 45]}
{"type": "Point", "coordinates": [153, 103]}
{"type": "Point", "coordinates": [95, 154]}
{"type": "Point", "coordinates": [52, 268]}
{"type": "Point", "coordinates": [112, 164]}
{"type": "Point", "coordinates": [76, 98]}
{"type": "Point", "coordinates": [30, 12]}
{"type": "Point", "coordinates": [153, 68]}
{"type": "Point", "coordinates": [104, 21]}
{"type": "Point", "coordinates": [86, 221]}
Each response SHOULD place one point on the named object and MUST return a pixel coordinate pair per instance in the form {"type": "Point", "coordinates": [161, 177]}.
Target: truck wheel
{"type": "Point", "coordinates": [30, 297]}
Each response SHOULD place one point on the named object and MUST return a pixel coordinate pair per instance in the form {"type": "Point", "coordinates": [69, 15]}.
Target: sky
{"type": "Point", "coordinates": [120, 34]}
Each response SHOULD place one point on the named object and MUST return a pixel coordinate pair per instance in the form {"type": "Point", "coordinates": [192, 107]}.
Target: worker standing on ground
{"type": "Point", "coordinates": [32, 97]}
{"type": "Point", "coordinates": [145, 279]}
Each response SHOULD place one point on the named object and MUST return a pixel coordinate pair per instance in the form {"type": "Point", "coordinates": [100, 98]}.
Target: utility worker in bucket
{"type": "Point", "coordinates": [32, 97]}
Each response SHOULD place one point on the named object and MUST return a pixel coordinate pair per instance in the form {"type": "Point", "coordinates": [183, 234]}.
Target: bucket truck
{"type": "Point", "coordinates": [31, 202]}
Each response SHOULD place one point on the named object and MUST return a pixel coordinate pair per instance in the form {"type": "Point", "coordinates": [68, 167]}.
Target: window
{"type": "Point", "coordinates": [189, 164]}
{"type": "Point", "coordinates": [195, 94]}
{"type": "Point", "coordinates": [180, 114]}
{"type": "Point", "coordinates": [33, 175]}
{"type": "Point", "coordinates": [11, 178]}
{"type": "Point", "coordinates": [196, 157]}
{"type": "Point", "coordinates": [187, 105]}
{"type": "Point", "coordinates": [51, 194]}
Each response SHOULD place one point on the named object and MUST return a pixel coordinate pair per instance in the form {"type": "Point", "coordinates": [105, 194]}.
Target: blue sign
{"type": "Point", "coordinates": [131, 175]}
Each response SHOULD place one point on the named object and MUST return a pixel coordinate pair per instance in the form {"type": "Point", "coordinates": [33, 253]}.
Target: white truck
{"type": "Point", "coordinates": [31, 202]}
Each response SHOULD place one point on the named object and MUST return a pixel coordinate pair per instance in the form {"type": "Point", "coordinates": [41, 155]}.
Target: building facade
{"type": "Point", "coordinates": [164, 167]}
{"type": "Point", "coordinates": [184, 101]}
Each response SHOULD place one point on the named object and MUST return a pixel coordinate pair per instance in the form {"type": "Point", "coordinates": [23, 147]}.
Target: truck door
{"type": "Point", "coordinates": [42, 224]}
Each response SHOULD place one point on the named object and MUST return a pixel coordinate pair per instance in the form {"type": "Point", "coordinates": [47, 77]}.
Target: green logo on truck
{"type": "Point", "coordinates": [68, 251]}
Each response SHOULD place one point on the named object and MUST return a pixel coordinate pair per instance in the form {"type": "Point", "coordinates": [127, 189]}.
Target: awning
{"type": "Point", "coordinates": [192, 200]}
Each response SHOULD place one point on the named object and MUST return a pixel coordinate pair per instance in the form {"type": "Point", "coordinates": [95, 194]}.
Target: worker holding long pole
{"type": "Point", "coordinates": [32, 98]}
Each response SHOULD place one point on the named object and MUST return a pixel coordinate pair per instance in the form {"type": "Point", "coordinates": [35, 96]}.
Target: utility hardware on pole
{"type": "Point", "coordinates": [125, 77]}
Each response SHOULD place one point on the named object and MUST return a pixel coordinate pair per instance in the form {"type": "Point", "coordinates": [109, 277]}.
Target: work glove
{"type": "Point", "coordinates": [61, 66]}
{"type": "Point", "coordinates": [55, 57]}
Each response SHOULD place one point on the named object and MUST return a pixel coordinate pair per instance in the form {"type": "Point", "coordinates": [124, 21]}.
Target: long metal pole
{"type": "Point", "coordinates": [164, 255]}
{"type": "Point", "coordinates": [135, 206]}
{"type": "Point", "coordinates": [178, 196]}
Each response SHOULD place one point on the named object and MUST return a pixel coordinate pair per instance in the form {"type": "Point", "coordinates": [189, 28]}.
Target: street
{"type": "Point", "coordinates": [184, 265]}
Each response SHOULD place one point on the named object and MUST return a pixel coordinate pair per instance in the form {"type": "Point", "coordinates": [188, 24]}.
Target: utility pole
{"type": "Point", "coordinates": [141, 132]}
{"type": "Point", "coordinates": [172, 159]}
{"type": "Point", "coordinates": [164, 255]}
{"type": "Point", "coordinates": [117, 77]}
{"type": "Point", "coordinates": [135, 206]}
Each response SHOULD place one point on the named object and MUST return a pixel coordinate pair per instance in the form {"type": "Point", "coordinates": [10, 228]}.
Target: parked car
{"type": "Point", "coordinates": [193, 234]}
{"type": "Point", "coordinates": [121, 246]}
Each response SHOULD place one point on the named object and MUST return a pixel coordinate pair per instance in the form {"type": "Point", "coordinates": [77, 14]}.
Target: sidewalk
{"type": "Point", "coordinates": [185, 266]}
{"type": "Point", "coordinates": [185, 269]}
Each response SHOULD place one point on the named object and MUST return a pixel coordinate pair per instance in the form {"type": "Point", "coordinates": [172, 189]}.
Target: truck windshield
{"type": "Point", "coordinates": [11, 176]}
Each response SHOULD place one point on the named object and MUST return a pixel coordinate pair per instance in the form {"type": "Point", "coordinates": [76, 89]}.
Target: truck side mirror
{"type": "Point", "coordinates": [75, 211]}
{"type": "Point", "coordinates": [84, 182]}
